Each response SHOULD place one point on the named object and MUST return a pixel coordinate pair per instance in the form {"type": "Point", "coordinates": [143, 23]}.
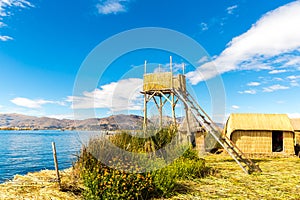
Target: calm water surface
{"type": "Point", "coordinates": [29, 151]}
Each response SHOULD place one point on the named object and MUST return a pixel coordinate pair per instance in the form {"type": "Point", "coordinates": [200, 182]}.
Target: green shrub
{"type": "Point", "coordinates": [102, 182]}
{"type": "Point", "coordinates": [115, 182]}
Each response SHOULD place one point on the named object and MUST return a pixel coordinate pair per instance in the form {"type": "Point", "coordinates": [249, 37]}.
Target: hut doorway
{"type": "Point", "coordinates": [277, 141]}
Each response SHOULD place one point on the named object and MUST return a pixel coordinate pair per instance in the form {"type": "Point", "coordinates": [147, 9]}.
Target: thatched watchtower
{"type": "Point", "coordinates": [159, 87]}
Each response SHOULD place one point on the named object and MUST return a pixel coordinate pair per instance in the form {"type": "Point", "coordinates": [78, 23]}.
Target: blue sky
{"type": "Point", "coordinates": [254, 45]}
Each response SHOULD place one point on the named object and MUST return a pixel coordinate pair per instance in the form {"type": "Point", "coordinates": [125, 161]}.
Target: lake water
{"type": "Point", "coordinates": [30, 151]}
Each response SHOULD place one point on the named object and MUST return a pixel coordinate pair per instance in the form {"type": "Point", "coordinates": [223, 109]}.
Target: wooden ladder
{"type": "Point", "coordinates": [247, 165]}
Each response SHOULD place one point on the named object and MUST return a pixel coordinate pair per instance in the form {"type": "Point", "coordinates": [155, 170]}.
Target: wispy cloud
{"type": "Point", "coordinates": [29, 103]}
{"type": "Point", "coordinates": [253, 84]}
{"type": "Point", "coordinates": [204, 26]}
{"type": "Point", "coordinates": [230, 10]}
{"type": "Point", "coordinates": [277, 71]}
{"type": "Point", "coordinates": [176, 67]}
{"type": "Point", "coordinates": [106, 7]}
{"type": "Point", "coordinates": [6, 7]}
{"type": "Point", "coordinates": [275, 88]}
{"type": "Point", "coordinates": [294, 115]}
{"type": "Point", "coordinates": [235, 107]}
{"type": "Point", "coordinates": [62, 116]}
{"type": "Point", "coordinates": [116, 96]}
{"type": "Point", "coordinates": [274, 35]}
{"type": "Point", "coordinates": [293, 77]}
{"type": "Point", "coordinates": [5, 38]}
{"type": "Point", "coordinates": [248, 92]}
{"type": "Point", "coordinates": [294, 80]}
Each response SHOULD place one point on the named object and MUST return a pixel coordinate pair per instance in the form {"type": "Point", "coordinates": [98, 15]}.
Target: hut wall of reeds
{"type": "Point", "coordinates": [254, 133]}
{"type": "Point", "coordinates": [163, 81]}
{"type": "Point", "coordinates": [296, 126]}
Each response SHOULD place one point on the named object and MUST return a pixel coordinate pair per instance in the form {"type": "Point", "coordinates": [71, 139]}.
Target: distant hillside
{"type": "Point", "coordinates": [115, 122]}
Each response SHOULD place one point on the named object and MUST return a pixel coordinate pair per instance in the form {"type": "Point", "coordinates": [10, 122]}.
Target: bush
{"type": "Point", "coordinates": [104, 182]}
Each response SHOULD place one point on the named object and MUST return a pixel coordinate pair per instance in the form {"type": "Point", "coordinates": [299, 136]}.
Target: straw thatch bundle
{"type": "Point", "coordinates": [163, 81]}
{"type": "Point", "coordinates": [296, 125]}
{"type": "Point", "coordinates": [252, 133]}
{"type": "Point", "coordinates": [241, 121]}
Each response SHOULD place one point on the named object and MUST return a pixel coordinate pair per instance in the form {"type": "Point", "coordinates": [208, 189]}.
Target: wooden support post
{"type": "Point", "coordinates": [145, 113]}
{"type": "Point", "coordinates": [56, 164]}
{"type": "Point", "coordinates": [188, 129]}
{"type": "Point", "coordinates": [173, 109]}
{"type": "Point", "coordinates": [160, 112]}
{"type": "Point", "coordinates": [145, 67]}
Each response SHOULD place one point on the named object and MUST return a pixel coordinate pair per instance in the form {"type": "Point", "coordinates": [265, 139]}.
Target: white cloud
{"type": "Point", "coordinates": [293, 77]}
{"type": "Point", "coordinates": [278, 79]}
{"type": "Point", "coordinates": [275, 88]}
{"type": "Point", "coordinates": [5, 38]}
{"type": "Point", "coordinates": [294, 80]}
{"type": "Point", "coordinates": [29, 103]}
{"type": "Point", "coordinates": [235, 107]}
{"type": "Point", "coordinates": [204, 59]}
{"type": "Point", "coordinates": [5, 6]}
{"type": "Point", "coordinates": [116, 96]}
{"type": "Point", "coordinates": [277, 71]}
{"type": "Point", "coordinates": [230, 10]}
{"type": "Point", "coordinates": [176, 67]}
{"type": "Point", "coordinates": [5, 11]}
{"type": "Point", "coordinates": [203, 26]}
{"type": "Point", "coordinates": [294, 115]}
{"type": "Point", "coordinates": [248, 92]}
{"type": "Point", "coordinates": [62, 116]}
{"type": "Point", "coordinates": [112, 6]}
{"type": "Point", "coordinates": [253, 84]}
{"type": "Point", "coordinates": [275, 34]}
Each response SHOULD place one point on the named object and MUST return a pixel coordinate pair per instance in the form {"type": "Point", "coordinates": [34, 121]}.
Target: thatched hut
{"type": "Point", "coordinates": [296, 126]}
{"type": "Point", "coordinates": [261, 133]}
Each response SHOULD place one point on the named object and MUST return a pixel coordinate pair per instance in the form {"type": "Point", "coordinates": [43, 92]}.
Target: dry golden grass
{"type": "Point", "coordinates": [280, 179]}
{"type": "Point", "coordinates": [41, 185]}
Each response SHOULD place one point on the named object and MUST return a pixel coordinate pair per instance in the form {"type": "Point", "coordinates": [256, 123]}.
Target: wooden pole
{"type": "Point", "coordinates": [56, 164]}
{"type": "Point", "coordinates": [145, 67]}
{"type": "Point", "coordinates": [189, 134]}
{"type": "Point", "coordinates": [160, 112]}
{"type": "Point", "coordinates": [171, 64]}
{"type": "Point", "coordinates": [171, 69]}
{"type": "Point", "coordinates": [145, 113]}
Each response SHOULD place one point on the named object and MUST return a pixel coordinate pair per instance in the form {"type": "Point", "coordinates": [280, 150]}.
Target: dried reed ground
{"type": "Point", "coordinates": [280, 179]}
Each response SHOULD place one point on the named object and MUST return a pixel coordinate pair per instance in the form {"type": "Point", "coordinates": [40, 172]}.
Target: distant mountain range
{"type": "Point", "coordinates": [114, 122]}
{"type": "Point", "coordinates": [111, 123]}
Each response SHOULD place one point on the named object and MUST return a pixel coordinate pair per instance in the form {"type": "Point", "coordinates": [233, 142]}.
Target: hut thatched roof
{"type": "Point", "coordinates": [296, 123]}
{"type": "Point", "coordinates": [259, 122]}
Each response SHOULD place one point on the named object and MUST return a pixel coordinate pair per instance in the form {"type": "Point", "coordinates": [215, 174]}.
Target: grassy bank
{"type": "Point", "coordinates": [280, 179]}
{"type": "Point", "coordinates": [41, 185]}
